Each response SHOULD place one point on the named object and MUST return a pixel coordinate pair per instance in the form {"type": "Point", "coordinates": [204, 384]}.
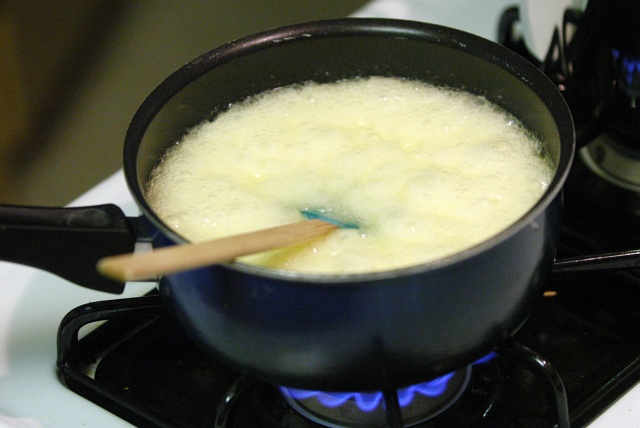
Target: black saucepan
{"type": "Point", "coordinates": [351, 332]}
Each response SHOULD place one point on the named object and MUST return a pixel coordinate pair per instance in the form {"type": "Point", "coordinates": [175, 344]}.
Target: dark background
{"type": "Point", "coordinates": [73, 72]}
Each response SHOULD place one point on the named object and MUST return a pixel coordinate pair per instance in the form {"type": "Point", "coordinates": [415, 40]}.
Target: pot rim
{"type": "Point", "coordinates": [350, 27]}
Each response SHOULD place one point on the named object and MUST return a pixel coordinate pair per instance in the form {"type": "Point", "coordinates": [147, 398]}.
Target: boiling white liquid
{"type": "Point", "coordinates": [425, 172]}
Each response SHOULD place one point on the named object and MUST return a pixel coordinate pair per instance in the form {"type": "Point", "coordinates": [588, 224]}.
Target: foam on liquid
{"type": "Point", "coordinates": [424, 171]}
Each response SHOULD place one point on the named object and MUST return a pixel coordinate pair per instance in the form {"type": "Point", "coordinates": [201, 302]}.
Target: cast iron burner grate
{"type": "Point", "coordinates": [140, 366]}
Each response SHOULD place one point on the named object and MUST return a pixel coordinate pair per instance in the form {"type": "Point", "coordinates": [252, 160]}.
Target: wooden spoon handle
{"type": "Point", "coordinates": [131, 267]}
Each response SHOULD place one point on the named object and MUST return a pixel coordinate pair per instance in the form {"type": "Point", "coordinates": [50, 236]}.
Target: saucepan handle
{"type": "Point", "coordinates": [67, 241]}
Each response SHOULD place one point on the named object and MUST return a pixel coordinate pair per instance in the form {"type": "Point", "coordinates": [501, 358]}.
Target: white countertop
{"type": "Point", "coordinates": [32, 302]}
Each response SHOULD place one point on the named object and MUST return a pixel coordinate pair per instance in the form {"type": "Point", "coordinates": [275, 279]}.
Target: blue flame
{"type": "Point", "coordinates": [630, 66]}
{"type": "Point", "coordinates": [490, 356]}
{"type": "Point", "coordinates": [369, 401]}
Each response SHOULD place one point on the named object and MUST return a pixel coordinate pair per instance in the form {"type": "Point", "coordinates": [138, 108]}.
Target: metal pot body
{"type": "Point", "coordinates": [367, 331]}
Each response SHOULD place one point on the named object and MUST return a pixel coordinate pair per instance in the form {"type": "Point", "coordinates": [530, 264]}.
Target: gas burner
{"type": "Point", "coordinates": [418, 403]}
{"type": "Point", "coordinates": [514, 387]}
{"type": "Point", "coordinates": [616, 163]}
{"type": "Point", "coordinates": [628, 77]}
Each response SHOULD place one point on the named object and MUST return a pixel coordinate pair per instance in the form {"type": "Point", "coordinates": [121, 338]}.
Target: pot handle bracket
{"type": "Point", "coordinates": [67, 242]}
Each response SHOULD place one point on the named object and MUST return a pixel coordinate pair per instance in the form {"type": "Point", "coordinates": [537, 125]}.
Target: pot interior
{"type": "Point", "coordinates": [334, 50]}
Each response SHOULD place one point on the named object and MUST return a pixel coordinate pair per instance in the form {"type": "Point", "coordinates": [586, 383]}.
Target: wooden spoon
{"type": "Point", "coordinates": [177, 258]}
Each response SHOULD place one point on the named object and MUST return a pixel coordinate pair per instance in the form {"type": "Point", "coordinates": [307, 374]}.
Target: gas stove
{"type": "Point", "coordinates": [575, 355]}
{"type": "Point", "coordinates": [118, 367]}
{"type": "Point", "coordinates": [576, 361]}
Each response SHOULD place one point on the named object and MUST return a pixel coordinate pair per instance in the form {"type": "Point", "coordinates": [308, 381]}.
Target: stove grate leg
{"type": "Point", "coordinates": [392, 408]}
